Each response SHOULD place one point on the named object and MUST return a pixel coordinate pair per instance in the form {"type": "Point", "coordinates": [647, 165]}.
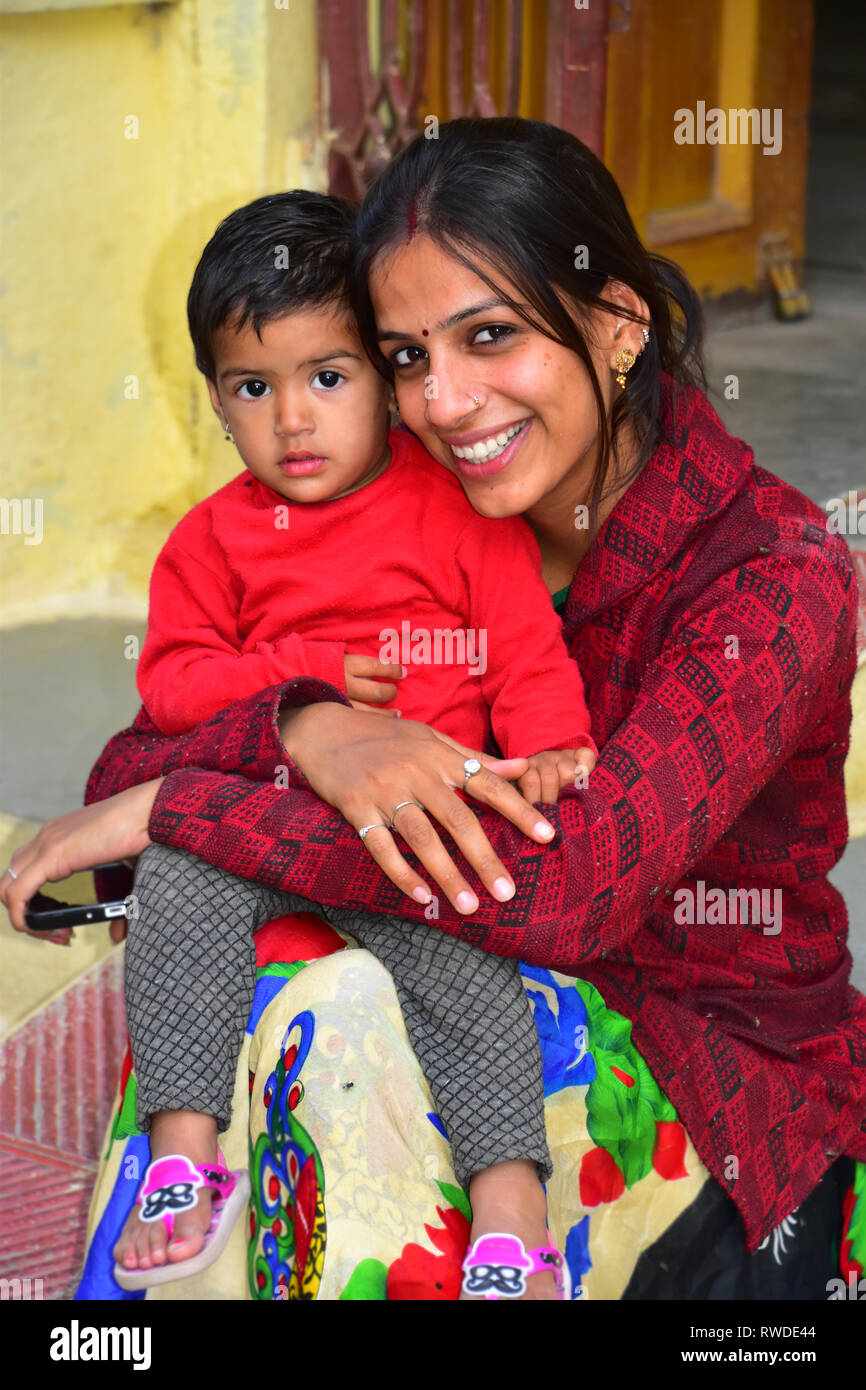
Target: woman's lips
{"type": "Point", "coordinates": [467, 469]}
{"type": "Point", "coordinates": [298, 467]}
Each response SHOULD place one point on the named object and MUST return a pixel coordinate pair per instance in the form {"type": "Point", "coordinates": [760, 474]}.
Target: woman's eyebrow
{"type": "Point", "coordinates": [452, 320]}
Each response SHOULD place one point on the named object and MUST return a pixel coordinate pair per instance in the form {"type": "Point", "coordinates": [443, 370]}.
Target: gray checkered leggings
{"type": "Point", "coordinates": [190, 980]}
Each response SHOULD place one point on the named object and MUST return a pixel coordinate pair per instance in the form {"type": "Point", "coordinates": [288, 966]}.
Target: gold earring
{"type": "Point", "coordinates": [625, 360]}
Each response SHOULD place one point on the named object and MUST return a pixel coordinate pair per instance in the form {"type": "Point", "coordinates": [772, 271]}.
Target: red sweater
{"type": "Point", "coordinates": [720, 762]}
{"type": "Point", "coordinates": [251, 590]}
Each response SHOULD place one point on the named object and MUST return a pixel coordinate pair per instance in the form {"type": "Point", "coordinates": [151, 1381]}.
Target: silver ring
{"type": "Point", "coordinates": [11, 873]}
{"type": "Point", "coordinates": [470, 767]}
{"type": "Point", "coordinates": [364, 828]}
{"type": "Point", "coordinates": [410, 802]}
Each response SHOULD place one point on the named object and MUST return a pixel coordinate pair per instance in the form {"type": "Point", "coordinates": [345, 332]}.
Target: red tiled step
{"type": "Point", "coordinates": [59, 1070]}
{"type": "Point", "coordinates": [58, 1077]}
{"type": "Point", "coordinates": [44, 1199]}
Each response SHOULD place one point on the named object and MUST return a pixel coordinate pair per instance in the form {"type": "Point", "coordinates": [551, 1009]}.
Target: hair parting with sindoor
{"type": "Point", "coordinates": [524, 196]}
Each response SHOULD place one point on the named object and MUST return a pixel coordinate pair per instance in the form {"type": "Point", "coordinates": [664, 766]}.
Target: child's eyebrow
{"type": "Point", "coordinates": [310, 362]}
{"type": "Point", "coordinates": [330, 356]}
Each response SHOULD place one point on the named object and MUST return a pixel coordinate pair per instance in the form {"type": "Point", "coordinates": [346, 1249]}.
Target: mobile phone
{"type": "Point", "coordinates": [48, 914]}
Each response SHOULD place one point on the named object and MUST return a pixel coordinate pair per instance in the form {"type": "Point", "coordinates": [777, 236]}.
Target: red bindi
{"type": "Point", "coordinates": [425, 333]}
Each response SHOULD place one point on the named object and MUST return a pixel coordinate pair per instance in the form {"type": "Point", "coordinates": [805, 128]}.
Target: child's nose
{"type": "Point", "coordinates": [293, 416]}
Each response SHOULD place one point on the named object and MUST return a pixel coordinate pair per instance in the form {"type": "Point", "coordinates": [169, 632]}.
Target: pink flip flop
{"type": "Point", "coordinates": [171, 1186]}
{"type": "Point", "coordinates": [498, 1266]}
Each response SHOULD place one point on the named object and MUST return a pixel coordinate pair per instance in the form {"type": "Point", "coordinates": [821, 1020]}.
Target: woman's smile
{"type": "Point", "coordinates": [492, 453]}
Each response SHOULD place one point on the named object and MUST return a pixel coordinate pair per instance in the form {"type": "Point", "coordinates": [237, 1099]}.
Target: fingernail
{"type": "Point", "coordinates": [467, 902]}
{"type": "Point", "coordinates": [398, 714]}
{"type": "Point", "coordinates": [503, 890]}
{"type": "Point", "coordinates": [404, 670]}
{"type": "Point", "coordinates": [422, 895]}
{"type": "Point", "coordinates": [542, 828]}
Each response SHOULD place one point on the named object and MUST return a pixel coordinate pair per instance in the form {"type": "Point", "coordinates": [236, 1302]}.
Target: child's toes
{"type": "Point", "coordinates": [189, 1233]}
{"type": "Point", "coordinates": [150, 1244]}
{"type": "Point", "coordinates": [124, 1253]}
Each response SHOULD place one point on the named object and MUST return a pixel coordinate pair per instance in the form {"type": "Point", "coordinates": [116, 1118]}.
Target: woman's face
{"type": "Point", "coordinates": [451, 341]}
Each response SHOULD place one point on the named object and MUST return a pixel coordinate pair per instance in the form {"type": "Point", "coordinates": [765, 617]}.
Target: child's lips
{"type": "Point", "coordinates": [298, 464]}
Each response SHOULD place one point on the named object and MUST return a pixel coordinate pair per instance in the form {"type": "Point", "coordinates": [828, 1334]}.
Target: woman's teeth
{"type": "Point", "coordinates": [487, 449]}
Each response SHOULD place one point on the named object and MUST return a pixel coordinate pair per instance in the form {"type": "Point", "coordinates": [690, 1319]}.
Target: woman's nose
{"type": "Point", "coordinates": [450, 397]}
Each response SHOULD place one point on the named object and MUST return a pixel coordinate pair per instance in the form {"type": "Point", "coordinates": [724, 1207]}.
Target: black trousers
{"type": "Point", "coordinates": [702, 1256]}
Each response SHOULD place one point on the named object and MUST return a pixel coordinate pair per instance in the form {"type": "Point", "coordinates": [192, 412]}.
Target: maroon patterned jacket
{"type": "Point", "coordinates": [714, 621]}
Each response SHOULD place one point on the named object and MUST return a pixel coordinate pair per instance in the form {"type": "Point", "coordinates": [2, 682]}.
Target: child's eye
{"type": "Point", "coordinates": [497, 333]}
{"type": "Point", "coordinates": [407, 357]}
{"type": "Point", "coordinates": [328, 380]}
{"type": "Point", "coordinates": [255, 388]}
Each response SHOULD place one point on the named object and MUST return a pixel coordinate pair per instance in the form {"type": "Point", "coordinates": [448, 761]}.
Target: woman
{"type": "Point", "coordinates": [712, 616]}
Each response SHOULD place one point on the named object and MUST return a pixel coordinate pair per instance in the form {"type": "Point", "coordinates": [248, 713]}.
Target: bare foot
{"type": "Point", "coordinates": [145, 1244]}
{"type": "Point", "coordinates": [509, 1197]}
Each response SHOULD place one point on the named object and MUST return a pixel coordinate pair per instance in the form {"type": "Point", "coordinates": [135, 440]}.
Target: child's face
{"type": "Point", "coordinates": [307, 408]}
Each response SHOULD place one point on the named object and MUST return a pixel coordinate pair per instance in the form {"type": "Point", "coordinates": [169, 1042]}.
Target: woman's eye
{"type": "Point", "coordinates": [328, 380]}
{"type": "Point", "coordinates": [496, 333]}
{"type": "Point", "coordinates": [253, 390]}
{"type": "Point", "coordinates": [407, 357]}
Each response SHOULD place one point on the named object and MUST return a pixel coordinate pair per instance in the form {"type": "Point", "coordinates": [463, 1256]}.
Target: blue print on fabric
{"type": "Point", "coordinates": [577, 1252]}
{"type": "Point", "coordinates": [267, 988]}
{"type": "Point", "coordinates": [564, 1036]}
{"type": "Point", "coordinates": [97, 1280]}
{"type": "Point", "coordinates": [437, 1124]}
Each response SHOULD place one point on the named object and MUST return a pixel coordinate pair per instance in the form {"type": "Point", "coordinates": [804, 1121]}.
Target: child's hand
{"type": "Point", "coordinates": [369, 682]}
{"type": "Point", "coordinates": [549, 772]}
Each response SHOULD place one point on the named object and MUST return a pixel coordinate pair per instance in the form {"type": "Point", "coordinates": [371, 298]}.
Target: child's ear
{"type": "Point", "coordinates": [215, 401]}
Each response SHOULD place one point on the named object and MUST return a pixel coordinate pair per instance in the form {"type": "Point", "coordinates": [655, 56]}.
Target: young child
{"type": "Point", "coordinates": [342, 548]}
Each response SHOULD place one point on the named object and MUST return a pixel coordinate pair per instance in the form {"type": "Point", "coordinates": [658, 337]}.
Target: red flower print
{"type": "Point", "coordinates": [670, 1150]}
{"type": "Point", "coordinates": [418, 1274]}
{"type": "Point", "coordinates": [600, 1178]}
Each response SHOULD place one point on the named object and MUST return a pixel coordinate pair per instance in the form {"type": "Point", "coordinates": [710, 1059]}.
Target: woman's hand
{"type": "Point", "coordinates": [100, 834]}
{"type": "Point", "coordinates": [364, 767]}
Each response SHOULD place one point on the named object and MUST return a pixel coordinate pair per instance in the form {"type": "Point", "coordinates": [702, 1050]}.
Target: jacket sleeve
{"type": "Point", "coordinates": [712, 723]}
{"type": "Point", "coordinates": [530, 682]}
{"type": "Point", "coordinates": [242, 739]}
{"type": "Point", "coordinates": [192, 664]}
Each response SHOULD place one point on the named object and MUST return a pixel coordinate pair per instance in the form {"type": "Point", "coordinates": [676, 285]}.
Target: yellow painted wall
{"type": "Point", "coordinates": [100, 237]}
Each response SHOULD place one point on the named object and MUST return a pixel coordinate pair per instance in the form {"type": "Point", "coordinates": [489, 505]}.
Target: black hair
{"type": "Point", "coordinates": [526, 196]}
{"type": "Point", "coordinates": [275, 255]}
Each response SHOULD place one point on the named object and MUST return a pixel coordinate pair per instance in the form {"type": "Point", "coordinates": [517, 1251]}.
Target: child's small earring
{"type": "Point", "coordinates": [228, 437]}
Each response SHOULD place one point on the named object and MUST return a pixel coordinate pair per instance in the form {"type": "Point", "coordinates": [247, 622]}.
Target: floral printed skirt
{"type": "Point", "coordinates": [353, 1194]}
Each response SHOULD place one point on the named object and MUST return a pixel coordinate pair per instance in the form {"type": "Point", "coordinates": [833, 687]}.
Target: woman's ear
{"type": "Point", "coordinates": [624, 298]}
